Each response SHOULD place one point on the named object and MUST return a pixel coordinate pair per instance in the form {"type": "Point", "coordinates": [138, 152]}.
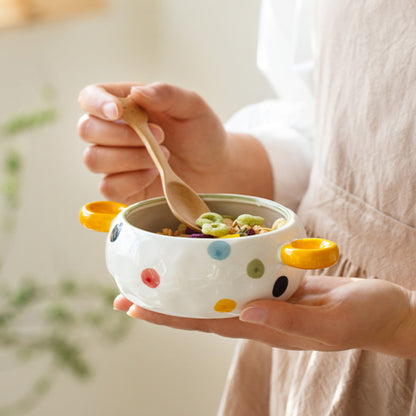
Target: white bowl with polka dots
{"type": "Point", "coordinates": [204, 277]}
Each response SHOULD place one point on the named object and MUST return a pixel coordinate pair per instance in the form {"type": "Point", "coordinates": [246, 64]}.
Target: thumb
{"type": "Point", "coordinates": [169, 99]}
{"type": "Point", "coordinates": [315, 322]}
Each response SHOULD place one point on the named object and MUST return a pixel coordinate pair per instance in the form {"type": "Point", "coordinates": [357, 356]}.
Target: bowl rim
{"type": "Point", "coordinates": [287, 213]}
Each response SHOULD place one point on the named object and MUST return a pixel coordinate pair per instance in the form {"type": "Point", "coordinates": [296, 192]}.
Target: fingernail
{"type": "Point", "coordinates": [255, 315]}
{"type": "Point", "coordinates": [110, 110]}
{"type": "Point", "coordinates": [147, 91]}
{"type": "Point", "coordinates": [115, 301]}
{"type": "Point", "coordinates": [165, 151]}
{"type": "Point", "coordinates": [157, 132]}
{"type": "Point", "coordinates": [131, 311]}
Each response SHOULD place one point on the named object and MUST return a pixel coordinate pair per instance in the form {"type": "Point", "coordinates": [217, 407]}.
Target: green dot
{"type": "Point", "coordinates": [255, 269]}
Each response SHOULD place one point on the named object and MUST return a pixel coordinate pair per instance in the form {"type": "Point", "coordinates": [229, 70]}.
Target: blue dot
{"type": "Point", "coordinates": [115, 232]}
{"type": "Point", "coordinates": [219, 250]}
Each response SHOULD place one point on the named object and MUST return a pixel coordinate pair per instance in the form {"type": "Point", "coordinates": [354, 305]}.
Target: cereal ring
{"type": "Point", "coordinates": [217, 229]}
{"type": "Point", "coordinates": [280, 222]}
{"type": "Point", "coordinates": [247, 219]}
{"type": "Point", "coordinates": [208, 217]}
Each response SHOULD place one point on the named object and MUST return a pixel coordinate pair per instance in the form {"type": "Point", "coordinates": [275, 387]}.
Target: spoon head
{"type": "Point", "coordinates": [185, 204]}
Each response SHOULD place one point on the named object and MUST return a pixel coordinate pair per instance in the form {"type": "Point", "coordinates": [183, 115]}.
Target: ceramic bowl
{"type": "Point", "coordinates": [204, 277]}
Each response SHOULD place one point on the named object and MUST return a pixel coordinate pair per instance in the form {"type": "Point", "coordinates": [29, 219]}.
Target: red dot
{"type": "Point", "coordinates": [150, 277]}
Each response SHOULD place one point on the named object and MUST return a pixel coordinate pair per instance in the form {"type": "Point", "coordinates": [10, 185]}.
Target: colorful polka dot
{"type": "Point", "coordinates": [255, 269]}
{"type": "Point", "coordinates": [225, 305]}
{"type": "Point", "coordinates": [219, 250]}
{"type": "Point", "coordinates": [150, 277]}
{"type": "Point", "coordinates": [116, 232]}
{"type": "Point", "coordinates": [280, 286]}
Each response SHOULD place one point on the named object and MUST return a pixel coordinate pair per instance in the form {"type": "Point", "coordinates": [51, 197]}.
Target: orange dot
{"type": "Point", "coordinates": [225, 305]}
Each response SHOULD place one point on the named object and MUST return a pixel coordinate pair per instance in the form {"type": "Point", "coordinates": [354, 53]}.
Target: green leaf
{"type": "Point", "coordinates": [58, 314]}
{"type": "Point", "coordinates": [10, 189]}
{"type": "Point", "coordinates": [69, 355]}
{"type": "Point", "coordinates": [42, 385]}
{"type": "Point", "coordinates": [108, 295]}
{"type": "Point", "coordinates": [6, 318]}
{"type": "Point", "coordinates": [68, 287]}
{"type": "Point", "coordinates": [27, 121]}
{"type": "Point", "coordinates": [13, 162]}
{"type": "Point", "coordinates": [25, 295]}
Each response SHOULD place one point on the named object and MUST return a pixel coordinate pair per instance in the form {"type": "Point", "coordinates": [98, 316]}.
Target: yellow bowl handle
{"type": "Point", "coordinates": [98, 215]}
{"type": "Point", "coordinates": [309, 253]}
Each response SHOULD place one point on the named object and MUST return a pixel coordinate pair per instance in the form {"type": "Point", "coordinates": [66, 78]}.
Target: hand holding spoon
{"type": "Point", "coordinates": [185, 204]}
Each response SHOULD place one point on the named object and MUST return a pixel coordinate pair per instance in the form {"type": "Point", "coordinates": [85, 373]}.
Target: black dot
{"type": "Point", "coordinates": [280, 286]}
{"type": "Point", "coordinates": [115, 232]}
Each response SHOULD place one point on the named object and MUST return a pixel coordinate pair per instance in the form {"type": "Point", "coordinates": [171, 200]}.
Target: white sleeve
{"type": "Point", "coordinates": [285, 130]}
{"type": "Point", "coordinates": [285, 125]}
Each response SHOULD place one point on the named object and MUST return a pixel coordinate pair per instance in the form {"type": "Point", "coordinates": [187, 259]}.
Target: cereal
{"type": "Point", "coordinates": [228, 222]}
{"type": "Point", "coordinates": [280, 222]}
{"type": "Point", "coordinates": [209, 218]}
{"type": "Point", "coordinates": [167, 231]}
{"type": "Point", "coordinates": [260, 230]}
{"type": "Point", "coordinates": [247, 219]}
{"type": "Point", "coordinates": [214, 225]}
{"type": "Point", "coordinates": [217, 229]}
{"type": "Point", "coordinates": [181, 230]}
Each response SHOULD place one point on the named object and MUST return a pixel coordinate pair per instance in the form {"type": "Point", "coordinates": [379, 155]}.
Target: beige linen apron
{"type": "Point", "coordinates": [363, 196]}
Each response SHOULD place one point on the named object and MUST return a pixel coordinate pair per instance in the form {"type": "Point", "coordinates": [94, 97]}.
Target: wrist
{"type": "Point", "coordinates": [248, 167]}
{"type": "Point", "coordinates": [404, 344]}
{"type": "Point", "coordinates": [409, 336]}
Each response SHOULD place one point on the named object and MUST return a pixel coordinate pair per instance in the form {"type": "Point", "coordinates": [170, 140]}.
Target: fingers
{"type": "Point", "coordinates": [107, 133]}
{"type": "Point", "coordinates": [108, 160]}
{"type": "Point", "coordinates": [316, 289]}
{"type": "Point", "coordinates": [174, 101]}
{"type": "Point", "coordinates": [228, 327]}
{"type": "Point", "coordinates": [305, 321]}
{"type": "Point", "coordinates": [121, 303]}
{"type": "Point", "coordinates": [101, 101]}
{"type": "Point", "coordinates": [123, 186]}
{"type": "Point", "coordinates": [171, 321]}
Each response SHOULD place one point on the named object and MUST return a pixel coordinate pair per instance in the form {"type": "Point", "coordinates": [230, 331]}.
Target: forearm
{"type": "Point", "coordinates": [285, 131]}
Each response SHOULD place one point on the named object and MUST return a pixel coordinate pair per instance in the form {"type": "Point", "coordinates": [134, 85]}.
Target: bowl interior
{"type": "Point", "coordinates": [153, 215]}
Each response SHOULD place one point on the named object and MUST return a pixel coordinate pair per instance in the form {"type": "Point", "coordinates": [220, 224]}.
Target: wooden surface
{"type": "Point", "coordinates": [21, 12]}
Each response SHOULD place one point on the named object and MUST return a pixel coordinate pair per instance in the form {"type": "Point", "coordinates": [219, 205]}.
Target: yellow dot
{"type": "Point", "coordinates": [225, 305]}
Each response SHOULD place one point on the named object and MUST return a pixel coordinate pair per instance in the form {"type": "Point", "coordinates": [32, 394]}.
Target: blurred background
{"type": "Point", "coordinates": [63, 350]}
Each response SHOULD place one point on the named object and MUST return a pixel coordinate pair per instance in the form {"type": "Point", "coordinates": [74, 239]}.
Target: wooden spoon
{"type": "Point", "coordinates": [185, 204]}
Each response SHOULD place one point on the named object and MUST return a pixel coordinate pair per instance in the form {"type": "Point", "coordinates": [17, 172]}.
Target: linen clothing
{"type": "Point", "coordinates": [362, 194]}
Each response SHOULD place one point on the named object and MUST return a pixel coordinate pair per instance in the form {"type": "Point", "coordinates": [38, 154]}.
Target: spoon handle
{"type": "Point", "coordinates": [186, 205]}
{"type": "Point", "coordinates": [137, 118]}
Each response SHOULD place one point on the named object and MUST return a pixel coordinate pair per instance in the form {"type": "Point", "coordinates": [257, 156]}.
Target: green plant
{"type": "Point", "coordinates": [65, 317]}
{"type": "Point", "coordinates": [12, 162]}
